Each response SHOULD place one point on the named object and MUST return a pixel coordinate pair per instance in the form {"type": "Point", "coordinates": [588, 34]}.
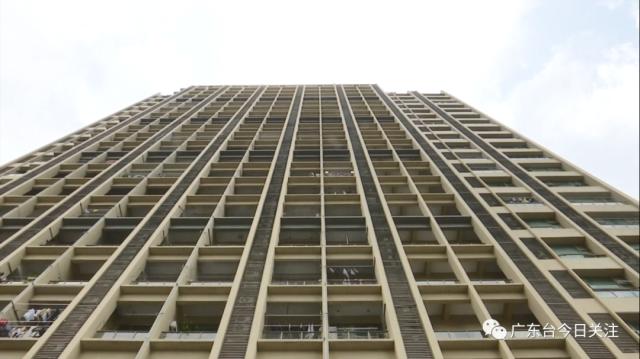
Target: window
{"type": "Point", "coordinates": [572, 250]}
{"type": "Point", "coordinates": [612, 287]}
{"type": "Point", "coordinates": [542, 223]}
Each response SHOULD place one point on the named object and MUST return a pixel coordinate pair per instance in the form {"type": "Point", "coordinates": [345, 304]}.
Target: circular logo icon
{"type": "Point", "coordinates": [499, 332]}
{"type": "Point", "coordinates": [492, 328]}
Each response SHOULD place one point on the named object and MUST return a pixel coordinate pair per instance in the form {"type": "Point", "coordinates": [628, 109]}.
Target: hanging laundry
{"type": "Point", "coordinates": [29, 315]}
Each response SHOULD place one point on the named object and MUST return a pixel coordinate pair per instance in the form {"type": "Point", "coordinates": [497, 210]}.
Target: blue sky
{"type": "Point", "coordinates": [564, 73]}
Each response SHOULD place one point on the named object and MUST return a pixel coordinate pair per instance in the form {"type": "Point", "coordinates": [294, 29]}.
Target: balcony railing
{"type": "Point", "coordinates": [146, 278]}
{"type": "Point", "coordinates": [619, 222]}
{"type": "Point", "coordinates": [24, 329]}
{"type": "Point", "coordinates": [565, 184]}
{"type": "Point", "coordinates": [594, 202]}
{"type": "Point", "coordinates": [68, 282]}
{"type": "Point", "coordinates": [202, 281]}
{"type": "Point", "coordinates": [491, 281]}
{"type": "Point", "coordinates": [351, 281]}
{"type": "Point", "coordinates": [460, 335]}
{"type": "Point", "coordinates": [436, 282]}
{"type": "Point", "coordinates": [521, 200]}
{"type": "Point", "coordinates": [578, 255]}
{"type": "Point", "coordinates": [292, 331]}
{"type": "Point", "coordinates": [296, 281]}
{"type": "Point", "coordinates": [543, 224]}
{"type": "Point", "coordinates": [188, 335]}
{"type": "Point", "coordinates": [121, 335]}
{"type": "Point", "coordinates": [618, 293]}
{"type": "Point", "coordinates": [357, 333]}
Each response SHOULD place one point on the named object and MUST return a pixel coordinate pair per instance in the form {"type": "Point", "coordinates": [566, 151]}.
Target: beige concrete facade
{"type": "Point", "coordinates": [311, 221]}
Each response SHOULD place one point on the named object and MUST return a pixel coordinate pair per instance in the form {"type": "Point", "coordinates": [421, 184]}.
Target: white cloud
{"type": "Point", "coordinates": [583, 111]}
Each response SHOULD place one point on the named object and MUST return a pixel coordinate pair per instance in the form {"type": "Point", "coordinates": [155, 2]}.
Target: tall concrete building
{"type": "Point", "coordinates": [311, 221]}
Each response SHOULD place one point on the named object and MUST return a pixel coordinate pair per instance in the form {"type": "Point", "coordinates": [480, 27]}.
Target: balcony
{"type": "Point", "coordinates": [297, 272]}
{"type": "Point", "coordinates": [230, 231]}
{"type": "Point", "coordinates": [432, 272]}
{"type": "Point", "coordinates": [293, 321]}
{"type": "Point", "coordinates": [443, 209]}
{"type": "Point", "coordinates": [300, 185]}
{"type": "Point", "coordinates": [499, 182]}
{"type": "Point", "coordinates": [184, 231]}
{"type": "Point", "coordinates": [215, 272]}
{"type": "Point", "coordinates": [240, 206]}
{"type": "Point", "coordinates": [302, 169]}
{"type": "Point", "coordinates": [404, 206]}
{"type": "Point", "coordinates": [454, 321]}
{"type": "Point", "coordinates": [27, 271]}
{"type": "Point", "coordinates": [458, 229]}
{"type": "Point", "coordinates": [339, 185]}
{"type": "Point", "coordinates": [484, 271]}
{"type": "Point", "coordinates": [72, 229]}
{"type": "Point", "coordinates": [350, 272]}
{"type": "Point", "coordinates": [200, 206]}
{"type": "Point", "coordinates": [592, 199]}
{"type": "Point", "coordinates": [346, 231]}
{"type": "Point", "coordinates": [96, 210]}
{"type": "Point", "coordinates": [611, 287]}
{"type": "Point", "coordinates": [299, 232]}
{"type": "Point", "coordinates": [519, 199]}
{"type": "Point", "coordinates": [78, 272]}
{"type": "Point", "coordinates": [334, 208]}
{"type": "Point", "coordinates": [195, 321]}
{"type": "Point", "coordinates": [573, 251]}
{"type": "Point", "coordinates": [302, 207]}
{"type": "Point", "coordinates": [564, 183]}
{"type": "Point", "coordinates": [30, 320]}
{"type": "Point", "coordinates": [541, 220]}
{"type": "Point", "coordinates": [415, 231]}
{"type": "Point", "coordinates": [212, 186]}
{"type": "Point", "coordinates": [357, 321]}
{"type": "Point", "coordinates": [116, 230]}
{"type": "Point", "coordinates": [543, 167]}
{"type": "Point", "coordinates": [160, 271]}
{"type": "Point", "coordinates": [10, 226]}
{"type": "Point", "coordinates": [338, 172]}
{"type": "Point", "coordinates": [516, 317]}
{"type": "Point", "coordinates": [130, 321]}
{"type": "Point", "coordinates": [623, 220]}
{"type": "Point", "coordinates": [139, 206]}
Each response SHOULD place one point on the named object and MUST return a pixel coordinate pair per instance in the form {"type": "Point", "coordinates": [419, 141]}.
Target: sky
{"type": "Point", "coordinates": [563, 73]}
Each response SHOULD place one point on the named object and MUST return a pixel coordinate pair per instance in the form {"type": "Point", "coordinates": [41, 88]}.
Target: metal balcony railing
{"type": "Point", "coordinates": [157, 278]}
{"type": "Point", "coordinates": [281, 333]}
{"type": "Point", "coordinates": [619, 222]}
{"type": "Point", "coordinates": [24, 329]}
{"type": "Point", "coordinates": [521, 200]}
{"type": "Point", "coordinates": [121, 335]}
{"type": "Point", "coordinates": [296, 281]}
{"type": "Point", "coordinates": [629, 293]}
{"type": "Point", "coordinates": [491, 281]}
{"type": "Point", "coordinates": [436, 281]}
{"type": "Point", "coordinates": [351, 281]}
{"type": "Point", "coordinates": [182, 335]}
{"type": "Point", "coordinates": [460, 335]}
{"type": "Point", "coordinates": [541, 223]}
{"type": "Point", "coordinates": [357, 333]}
